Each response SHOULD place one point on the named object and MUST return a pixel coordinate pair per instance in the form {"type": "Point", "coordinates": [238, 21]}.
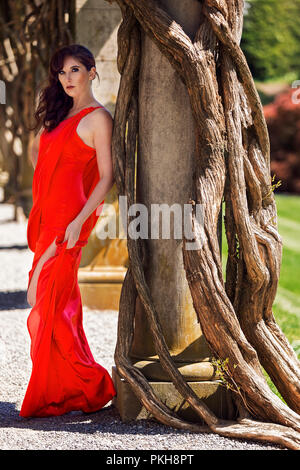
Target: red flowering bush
{"type": "Point", "coordinates": [283, 121]}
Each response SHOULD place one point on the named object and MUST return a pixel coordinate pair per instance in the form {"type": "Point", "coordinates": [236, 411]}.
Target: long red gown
{"type": "Point", "coordinates": [64, 373]}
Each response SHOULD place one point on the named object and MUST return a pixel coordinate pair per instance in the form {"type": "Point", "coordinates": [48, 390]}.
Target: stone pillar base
{"type": "Point", "coordinates": [101, 286]}
{"type": "Point", "coordinates": [101, 297]}
{"type": "Point", "coordinates": [214, 395]}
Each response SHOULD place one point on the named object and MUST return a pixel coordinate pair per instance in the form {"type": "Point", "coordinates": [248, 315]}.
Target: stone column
{"type": "Point", "coordinates": [164, 176]}
{"type": "Point", "coordinates": [97, 24]}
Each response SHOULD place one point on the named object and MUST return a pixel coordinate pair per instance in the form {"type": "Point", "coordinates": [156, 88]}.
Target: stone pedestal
{"type": "Point", "coordinates": [215, 396]}
{"type": "Point", "coordinates": [101, 287]}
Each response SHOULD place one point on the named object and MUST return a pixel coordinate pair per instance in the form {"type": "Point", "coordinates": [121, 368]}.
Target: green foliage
{"type": "Point", "coordinates": [272, 386]}
{"type": "Point", "coordinates": [225, 376]}
{"type": "Point", "coordinates": [223, 373]}
{"type": "Point", "coordinates": [271, 37]}
{"type": "Point", "coordinates": [273, 186]}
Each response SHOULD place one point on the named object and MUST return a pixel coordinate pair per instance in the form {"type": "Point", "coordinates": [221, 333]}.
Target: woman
{"type": "Point", "coordinates": [73, 173]}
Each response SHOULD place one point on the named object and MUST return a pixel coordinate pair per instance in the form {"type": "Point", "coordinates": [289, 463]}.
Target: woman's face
{"type": "Point", "coordinates": [74, 77]}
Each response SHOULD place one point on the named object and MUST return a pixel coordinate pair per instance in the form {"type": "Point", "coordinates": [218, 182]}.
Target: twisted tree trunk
{"type": "Point", "coordinates": [232, 152]}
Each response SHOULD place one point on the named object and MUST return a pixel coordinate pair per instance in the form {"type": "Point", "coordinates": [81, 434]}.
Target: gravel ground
{"type": "Point", "coordinates": [101, 430]}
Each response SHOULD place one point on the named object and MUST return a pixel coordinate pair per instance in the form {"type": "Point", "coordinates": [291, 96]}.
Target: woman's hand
{"type": "Point", "coordinates": [72, 233]}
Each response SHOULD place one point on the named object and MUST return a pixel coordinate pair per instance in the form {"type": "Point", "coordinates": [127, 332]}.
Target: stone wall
{"type": "Point", "coordinates": [97, 23]}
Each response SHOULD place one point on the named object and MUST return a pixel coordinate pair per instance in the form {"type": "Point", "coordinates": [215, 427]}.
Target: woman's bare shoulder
{"type": "Point", "coordinates": [100, 118]}
{"type": "Point", "coordinates": [101, 113]}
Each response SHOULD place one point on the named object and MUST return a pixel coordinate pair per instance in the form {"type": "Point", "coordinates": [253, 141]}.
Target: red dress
{"type": "Point", "coordinates": [64, 373]}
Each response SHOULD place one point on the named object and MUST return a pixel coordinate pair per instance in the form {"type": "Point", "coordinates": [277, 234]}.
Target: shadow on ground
{"type": "Point", "coordinates": [13, 300]}
{"type": "Point", "coordinates": [105, 420]}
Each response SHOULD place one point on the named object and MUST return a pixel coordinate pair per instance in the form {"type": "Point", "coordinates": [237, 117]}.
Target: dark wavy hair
{"type": "Point", "coordinates": [54, 104]}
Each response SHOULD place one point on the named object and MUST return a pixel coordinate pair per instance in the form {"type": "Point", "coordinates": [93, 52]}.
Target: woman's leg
{"type": "Point", "coordinates": [31, 292]}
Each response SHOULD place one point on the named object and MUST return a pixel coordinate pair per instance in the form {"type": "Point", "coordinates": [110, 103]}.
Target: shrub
{"type": "Point", "coordinates": [283, 121]}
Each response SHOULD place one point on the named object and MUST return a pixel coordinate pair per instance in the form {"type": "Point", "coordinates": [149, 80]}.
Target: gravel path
{"type": "Point", "coordinates": [101, 430]}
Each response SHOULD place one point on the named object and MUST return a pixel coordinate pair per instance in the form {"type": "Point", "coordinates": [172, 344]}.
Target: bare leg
{"type": "Point", "coordinates": [31, 292]}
